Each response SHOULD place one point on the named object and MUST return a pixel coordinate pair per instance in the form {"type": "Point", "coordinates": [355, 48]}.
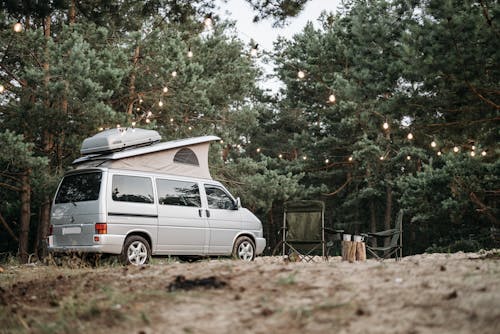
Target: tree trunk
{"type": "Point", "coordinates": [72, 13]}
{"type": "Point", "coordinates": [25, 216]}
{"type": "Point", "coordinates": [373, 223]}
{"type": "Point", "coordinates": [131, 90]}
{"type": "Point", "coordinates": [388, 211]}
{"type": "Point", "coordinates": [43, 228]}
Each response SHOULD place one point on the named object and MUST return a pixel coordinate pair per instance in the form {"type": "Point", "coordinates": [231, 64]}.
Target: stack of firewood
{"type": "Point", "coordinates": [353, 250]}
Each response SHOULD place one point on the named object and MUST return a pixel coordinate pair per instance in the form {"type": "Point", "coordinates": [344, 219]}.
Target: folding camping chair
{"type": "Point", "coordinates": [303, 231]}
{"type": "Point", "coordinates": [396, 242]}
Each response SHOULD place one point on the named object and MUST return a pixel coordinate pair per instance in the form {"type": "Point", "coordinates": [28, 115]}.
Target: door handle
{"type": "Point", "coordinates": [208, 213]}
{"type": "Point", "coordinates": [199, 212]}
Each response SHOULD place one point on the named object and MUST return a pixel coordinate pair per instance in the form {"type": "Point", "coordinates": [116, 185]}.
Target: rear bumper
{"type": "Point", "coordinates": [108, 243]}
{"type": "Point", "coordinates": [260, 244]}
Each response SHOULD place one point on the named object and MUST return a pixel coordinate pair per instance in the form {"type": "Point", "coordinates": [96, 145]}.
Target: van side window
{"type": "Point", "coordinates": [218, 198]}
{"type": "Point", "coordinates": [132, 189]}
{"type": "Point", "coordinates": [182, 193]}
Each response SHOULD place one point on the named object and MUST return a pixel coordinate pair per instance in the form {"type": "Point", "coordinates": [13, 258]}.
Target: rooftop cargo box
{"type": "Point", "coordinates": [117, 139]}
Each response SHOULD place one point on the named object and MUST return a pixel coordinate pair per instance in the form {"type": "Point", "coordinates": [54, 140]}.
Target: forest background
{"type": "Point", "coordinates": [387, 105]}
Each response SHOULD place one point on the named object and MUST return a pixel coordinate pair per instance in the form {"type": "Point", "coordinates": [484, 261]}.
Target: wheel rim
{"type": "Point", "coordinates": [137, 253]}
{"type": "Point", "coordinates": [245, 251]}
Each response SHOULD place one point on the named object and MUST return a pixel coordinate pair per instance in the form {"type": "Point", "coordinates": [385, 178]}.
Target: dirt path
{"type": "Point", "coordinates": [438, 293]}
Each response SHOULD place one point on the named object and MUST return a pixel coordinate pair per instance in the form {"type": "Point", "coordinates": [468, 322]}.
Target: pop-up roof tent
{"type": "Point", "coordinates": [139, 149]}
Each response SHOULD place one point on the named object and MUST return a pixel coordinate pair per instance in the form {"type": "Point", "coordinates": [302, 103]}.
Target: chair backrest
{"type": "Point", "coordinates": [399, 229]}
{"type": "Point", "coordinates": [304, 220]}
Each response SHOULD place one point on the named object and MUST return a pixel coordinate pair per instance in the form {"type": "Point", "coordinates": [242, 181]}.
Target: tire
{"type": "Point", "coordinates": [136, 251]}
{"type": "Point", "coordinates": [244, 249]}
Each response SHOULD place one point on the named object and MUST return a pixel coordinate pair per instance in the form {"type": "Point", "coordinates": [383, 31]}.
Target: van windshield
{"type": "Point", "coordinates": [79, 188]}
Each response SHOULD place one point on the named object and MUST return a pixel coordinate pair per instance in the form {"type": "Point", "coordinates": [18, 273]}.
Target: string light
{"type": "Point", "coordinates": [165, 89]}
{"type": "Point", "coordinates": [483, 153]}
{"type": "Point", "coordinates": [171, 120]}
{"type": "Point", "coordinates": [473, 147]}
{"type": "Point", "coordinates": [304, 157]}
{"type": "Point", "coordinates": [382, 158]}
{"type": "Point", "coordinates": [408, 157]}
{"type": "Point", "coordinates": [280, 156]}
{"type": "Point", "coordinates": [190, 128]}
{"type": "Point", "coordinates": [327, 161]}
{"type": "Point", "coordinates": [258, 150]}
{"type": "Point", "coordinates": [439, 153]}
{"type": "Point", "coordinates": [101, 129]}
{"type": "Point", "coordinates": [160, 104]}
{"type": "Point", "coordinates": [208, 22]}
{"type": "Point", "coordinates": [141, 100]}
{"type": "Point", "coordinates": [174, 74]}
{"type": "Point", "coordinates": [149, 114]}
{"type": "Point", "coordinates": [385, 125]}
{"type": "Point", "coordinates": [133, 124]}
{"type": "Point", "coordinates": [456, 149]}
{"type": "Point", "coordinates": [433, 144]}
{"type": "Point", "coordinates": [472, 154]}
{"type": "Point", "coordinates": [331, 98]}
{"type": "Point", "coordinates": [350, 159]}
{"type": "Point", "coordinates": [301, 74]}
{"type": "Point", "coordinates": [2, 89]}
{"type": "Point", "coordinates": [148, 120]}
{"type": "Point", "coordinates": [410, 136]}
{"type": "Point", "coordinates": [190, 53]}
{"type": "Point", "coordinates": [254, 51]}
{"type": "Point", "coordinates": [18, 27]}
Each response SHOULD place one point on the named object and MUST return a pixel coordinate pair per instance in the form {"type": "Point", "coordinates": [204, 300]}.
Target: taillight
{"type": "Point", "coordinates": [101, 228]}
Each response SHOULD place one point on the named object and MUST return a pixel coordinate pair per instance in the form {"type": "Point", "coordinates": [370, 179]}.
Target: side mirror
{"type": "Point", "coordinates": [238, 203]}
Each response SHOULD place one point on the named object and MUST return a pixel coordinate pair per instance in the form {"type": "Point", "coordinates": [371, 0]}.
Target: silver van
{"type": "Point", "coordinates": [140, 213]}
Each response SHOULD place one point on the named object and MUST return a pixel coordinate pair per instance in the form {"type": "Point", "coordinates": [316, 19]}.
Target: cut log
{"type": "Point", "coordinates": [360, 251]}
{"type": "Point", "coordinates": [352, 252]}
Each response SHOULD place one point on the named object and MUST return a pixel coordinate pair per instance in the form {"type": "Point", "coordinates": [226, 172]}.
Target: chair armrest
{"type": "Point", "coordinates": [386, 233]}
{"type": "Point", "coordinates": [332, 231]}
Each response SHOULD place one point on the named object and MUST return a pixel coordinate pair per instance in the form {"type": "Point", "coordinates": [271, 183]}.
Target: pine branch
{"type": "Point", "coordinates": [7, 227]}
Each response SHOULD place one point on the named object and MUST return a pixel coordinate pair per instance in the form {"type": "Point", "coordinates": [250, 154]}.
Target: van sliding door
{"type": "Point", "coordinates": [182, 224]}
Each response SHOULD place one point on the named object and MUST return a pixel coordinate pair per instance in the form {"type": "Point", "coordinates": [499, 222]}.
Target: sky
{"type": "Point", "coordinates": [264, 34]}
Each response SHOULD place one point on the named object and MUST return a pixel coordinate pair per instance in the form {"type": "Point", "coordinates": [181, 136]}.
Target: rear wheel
{"type": "Point", "coordinates": [244, 249]}
{"type": "Point", "coordinates": [136, 251]}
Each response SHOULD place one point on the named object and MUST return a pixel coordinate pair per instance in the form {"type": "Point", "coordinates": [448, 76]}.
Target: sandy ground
{"type": "Point", "coordinates": [430, 293]}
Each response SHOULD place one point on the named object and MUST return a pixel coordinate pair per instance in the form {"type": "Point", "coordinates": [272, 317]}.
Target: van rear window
{"type": "Point", "coordinates": [79, 188]}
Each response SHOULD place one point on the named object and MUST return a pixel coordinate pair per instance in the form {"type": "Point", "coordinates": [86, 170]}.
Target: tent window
{"type": "Point", "coordinates": [186, 156]}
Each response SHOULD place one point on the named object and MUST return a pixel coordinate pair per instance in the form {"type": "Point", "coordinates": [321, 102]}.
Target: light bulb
{"type": "Point", "coordinates": [456, 149]}
{"type": "Point", "coordinates": [133, 123]}
{"type": "Point", "coordinates": [331, 98]}
{"type": "Point", "coordinates": [280, 156]}
{"type": "Point", "coordinates": [222, 141]}
{"type": "Point", "coordinates": [165, 89]}
{"type": "Point", "coordinates": [327, 161]}
{"type": "Point", "coordinates": [208, 22]}
{"type": "Point", "coordinates": [174, 74]}
{"type": "Point", "coordinates": [18, 27]}
{"type": "Point", "coordinates": [138, 109]}
{"type": "Point", "coordinates": [301, 74]}
{"type": "Point", "coordinates": [472, 154]}
{"type": "Point", "coordinates": [2, 89]}
{"type": "Point", "coordinates": [190, 53]}
{"type": "Point", "coordinates": [410, 136]}
{"type": "Point", "coordinates": [381, 158]}
{"type": "Point", "coordinates": [350, 159]}
{"type": "Point", "coordinates": [385, 125]}
{"type": "Point", "coordinates": [408, 157]}
{"type": "Point", "coordinates": [148, 120]}
{"type": "Point", "coordinates": [483, 153]}
{"type": "Point", "coordinates": [433, 144]}
{"type": "Point", "coordinates": [101, 129]}
{"type": "Point", "coordinates": [439, 153]}
{"type": "Point", "coordinates": [117, 126]}
{"type": "Point", "coordinates": [190, 128]}
{"type": "Point", "coordinates": [150, 113]}
{"type": "Point", "coordinates": [304, 157]}
{"type": "Point", "coordinates": [473, 147]}
{"type": "Point", "coordinates": [258, 150]}
{"type": "Point", "coordinates": [160, 104]}
{"type": "Point", "coordinates": [254, 51]}
{"type": "Point", "coordinates": [141, 100]}
{"type": "Point", "coordinates": [171, 120]}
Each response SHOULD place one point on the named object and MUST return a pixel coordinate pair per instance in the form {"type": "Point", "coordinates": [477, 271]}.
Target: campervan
{"type": "Point", "coordinates": [135, 196]}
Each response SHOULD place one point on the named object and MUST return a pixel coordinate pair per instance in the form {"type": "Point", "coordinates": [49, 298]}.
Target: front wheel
{"type": "Point", "coordinates": [136, 251]}
{"type": "Point", "coordinates": [244, 249]}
